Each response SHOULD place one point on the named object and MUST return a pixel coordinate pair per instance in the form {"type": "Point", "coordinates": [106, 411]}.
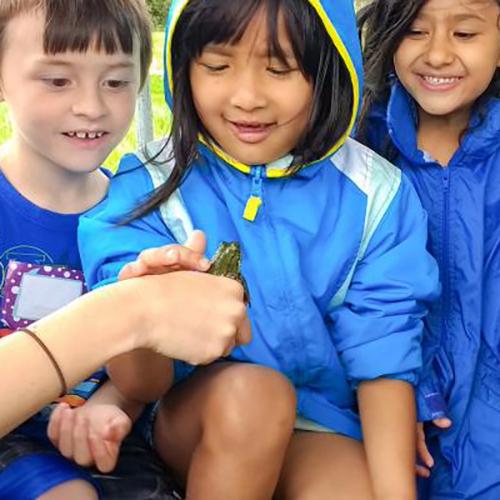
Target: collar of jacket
{"type": "Point", "coordinates": [480, 142]}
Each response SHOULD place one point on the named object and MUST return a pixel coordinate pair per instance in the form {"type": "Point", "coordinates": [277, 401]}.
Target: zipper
{"type": "Point", "coordinates": [445, 260]}
{"type": "Point", "coordinates": [254, 202]}
{"type": "Point", "coordinates": [290, 363]}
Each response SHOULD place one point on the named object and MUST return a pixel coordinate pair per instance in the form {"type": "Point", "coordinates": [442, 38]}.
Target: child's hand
{"type": "Point", "coordinates": [169, 258]}
{"type": "Point", "coordinates": [89, 435]}
{"type": "Point", "coordinates": [422, 451]}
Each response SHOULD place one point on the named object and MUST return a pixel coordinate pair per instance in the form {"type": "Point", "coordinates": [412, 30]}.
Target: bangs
{"type": "Point", "coordinates": [79, 25]}
{"type": "Point", "coordinates": [89, 24]}
{"type": "Point", "coordinates": [220, 22]}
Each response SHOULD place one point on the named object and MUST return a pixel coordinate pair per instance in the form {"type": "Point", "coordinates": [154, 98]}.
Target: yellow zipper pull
{"type": "Point", "coordinates": [255, 200]}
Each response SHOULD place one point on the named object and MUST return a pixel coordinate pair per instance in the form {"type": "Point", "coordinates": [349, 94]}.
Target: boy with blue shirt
{"type": "Point", "coordinates": [69, 75]}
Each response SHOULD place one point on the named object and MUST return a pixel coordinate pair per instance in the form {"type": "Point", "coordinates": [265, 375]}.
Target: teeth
{"type": "Point", "coordinates": [434, 80]}
{"type": "Point", "coordinates": [85, 135]}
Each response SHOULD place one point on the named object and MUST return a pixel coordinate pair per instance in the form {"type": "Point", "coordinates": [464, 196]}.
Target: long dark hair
{"type": "Point", "coordinates": [382, 26]}
{"type": "Point", "coordinates": [221, 21]}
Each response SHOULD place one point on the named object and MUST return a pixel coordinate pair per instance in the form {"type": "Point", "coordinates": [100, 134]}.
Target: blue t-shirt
{"type": "Point", "coordinates": [32, 234]}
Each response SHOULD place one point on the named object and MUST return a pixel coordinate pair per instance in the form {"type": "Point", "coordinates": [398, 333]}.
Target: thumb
{"type": "Point", "coordinates": [197, 242]}
{"type": "Point", "coordinates": [116, 431]}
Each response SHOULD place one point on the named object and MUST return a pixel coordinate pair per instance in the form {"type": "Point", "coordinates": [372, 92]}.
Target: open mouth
{"type": "Point", "coordinates": [252, 126]}
{"type": "Point", "coordinates": [442, 82]}
{"type": "Point", "coordinates": [85, 135]}
{"type": "Point", "coordinates": [251, 132]}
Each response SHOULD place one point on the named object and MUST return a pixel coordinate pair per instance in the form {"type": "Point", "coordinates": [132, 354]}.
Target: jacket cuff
{"type": "Point", "coordinates": [430, 405]}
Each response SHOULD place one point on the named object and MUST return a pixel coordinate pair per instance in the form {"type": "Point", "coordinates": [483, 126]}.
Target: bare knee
{"type": "Point", "coordinates": [76, 490]}
{"type": "Point", "coordinates": [250, 406]}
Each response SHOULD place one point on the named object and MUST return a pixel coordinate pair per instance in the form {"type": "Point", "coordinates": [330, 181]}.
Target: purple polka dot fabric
{"type": "Point", "coordinates": [32, 291]}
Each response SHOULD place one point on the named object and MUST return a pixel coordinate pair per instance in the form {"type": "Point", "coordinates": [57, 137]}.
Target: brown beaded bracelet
{"type": "Point", "coordinates": [39, 341]}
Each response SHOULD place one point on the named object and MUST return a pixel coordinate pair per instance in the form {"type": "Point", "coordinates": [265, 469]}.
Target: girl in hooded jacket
{"type": "Point", "coordinates": [432, 106]}
{"type": "Point", "coordinates": [264, 95]}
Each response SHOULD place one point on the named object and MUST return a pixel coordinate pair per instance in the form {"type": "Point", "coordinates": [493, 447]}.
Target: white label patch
{"type": "Point", "coordinates": [42, 295]}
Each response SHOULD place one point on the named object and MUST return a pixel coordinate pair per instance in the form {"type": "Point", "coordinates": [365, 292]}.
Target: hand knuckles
{"type": "Point", "coordinates": [228, 332]}
{"type": "Point", "coordinates": [83, 461]}
{"type": "Point", "coordinates": [240, 310]}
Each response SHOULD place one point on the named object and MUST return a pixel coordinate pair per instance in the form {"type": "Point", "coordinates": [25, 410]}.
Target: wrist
{"type": "Point", "coordinates": [129, 303]}
{"type": "Point", "coordinates": [122, 326]}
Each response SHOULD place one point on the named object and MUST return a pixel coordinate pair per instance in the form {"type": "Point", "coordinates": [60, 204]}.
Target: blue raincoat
{"type": "Point", "coordinates": [462, 341]}
{"type": "Point", "coordinates": [334, 256]}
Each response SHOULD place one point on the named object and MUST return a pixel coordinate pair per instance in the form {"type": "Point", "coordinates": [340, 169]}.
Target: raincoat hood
{"type": "Point", "coordinates": [339, 20]}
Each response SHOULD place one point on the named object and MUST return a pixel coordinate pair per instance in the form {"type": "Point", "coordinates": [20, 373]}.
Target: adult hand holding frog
{"type": "Point", "coordinates": [125, 370]}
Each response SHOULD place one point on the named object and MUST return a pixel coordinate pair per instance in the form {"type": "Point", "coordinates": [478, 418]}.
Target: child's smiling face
{"type": "Point", "coordinates": [68, 110]}
{"type": "Point", "coordinates": [450, 55]}
{"type": "Point", "coordinates": [254, 107]}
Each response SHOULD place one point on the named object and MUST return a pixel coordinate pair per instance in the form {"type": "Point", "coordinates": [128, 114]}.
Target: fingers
{"type": "Point", "coordinates": [105, 453]}
{"type": "Point", "coordinates": [197, 242]}
{"type": "Point", "coordinates": [69, 433]}
{"type": "Point", "coordinates": [65, 443]}
{"type": "Point", "coordinates": [82, 454]}
{"type": "Point", "coordinates": [217, 319]}
{"type": "Point", "coordinates": [85, 441]}
{"type": "Point", "coordinates": [244, 333]}
{"type": "Point", "coordinates": [54, 427]}
{"type": "Point", "coordinates": [110, 437]}
{"type": "Point", "coordinates": [167, 259]}
{"type": "Point", "coordinates": [423, 453]}
{"type": "Point", "coordinates": [117, 429]}
{"type": "Point", "coordinates": [422, 471]}
{"type": "Point", "coordinates": [442, 423]}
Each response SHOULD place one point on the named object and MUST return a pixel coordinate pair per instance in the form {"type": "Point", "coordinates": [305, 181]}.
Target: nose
{"type": "Point", "coordinates": [439, 51]}
{"type": "Point", "coordinates": [90, 103]}
{"type": "Point", "coordinates": [247, 94]}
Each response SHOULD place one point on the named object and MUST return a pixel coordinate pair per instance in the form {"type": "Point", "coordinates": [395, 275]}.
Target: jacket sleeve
{"type": "Point", "coordinates": [431, 403]}
{"type": "Point", "coordinates": [105, 244]}
{"type": "Point", "coordinates": [378, 327]}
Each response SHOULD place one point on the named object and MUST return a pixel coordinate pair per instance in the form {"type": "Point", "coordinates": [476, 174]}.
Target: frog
{"type": "Point", "coordinates": [227, 262]}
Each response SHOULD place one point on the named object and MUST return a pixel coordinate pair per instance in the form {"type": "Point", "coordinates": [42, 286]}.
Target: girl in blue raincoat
{"type": "Point", "coordinates": [432, 106]}
{"type": "Point", "coordinates": [264, 95]}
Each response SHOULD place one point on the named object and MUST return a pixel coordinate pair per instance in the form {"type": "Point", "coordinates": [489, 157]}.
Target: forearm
{"type": "Point", "coordinates": [82, 337]}
{"type": "Point", "coordinates": [133, 314]}
{"type": "Point", "coordinates": [141, 375]}
{"type": "Point", "coordinates": [108, 394]}
{"type": "Point", "coordinates": [387, 409]}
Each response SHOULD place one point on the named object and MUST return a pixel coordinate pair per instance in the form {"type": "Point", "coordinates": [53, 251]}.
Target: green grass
{"type": "Point", "coordinates": [161, 116]}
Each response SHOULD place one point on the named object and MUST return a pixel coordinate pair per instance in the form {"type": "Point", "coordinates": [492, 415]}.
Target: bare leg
{"type": "Point", "coordinates": [224, 431]}
{"type": "Point", "coordinates": [76, 490]}
{"type": "Point", "coordinates": [321, 465]}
